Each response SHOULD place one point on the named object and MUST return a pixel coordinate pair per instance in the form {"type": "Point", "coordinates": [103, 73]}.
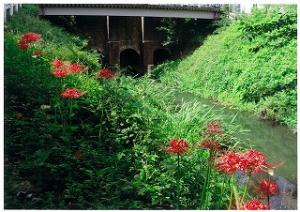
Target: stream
{"type": "Point", "coordinates": [278, 143]}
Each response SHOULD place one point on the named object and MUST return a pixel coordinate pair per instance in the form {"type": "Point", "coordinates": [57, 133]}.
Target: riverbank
{"type": "Point", "coordinates": [249, 64]}
{"type": "Point", "coordinates": [79, 136]}
{"type": "Point", "coordinates": [278, 142]}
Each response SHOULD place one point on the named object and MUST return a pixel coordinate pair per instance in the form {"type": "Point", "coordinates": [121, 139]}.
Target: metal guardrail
{"type": "Point", "coordinates": [10, 9]}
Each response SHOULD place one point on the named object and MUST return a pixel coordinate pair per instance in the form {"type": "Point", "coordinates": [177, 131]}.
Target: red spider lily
{"type": "Point", "coordinates": [37, 53]}
{"type": "Point", "coordinates": [268, 187]}
{"type": "Point", "coordinates": [31, 37]}
{"type": "Point", "coordinates": [228, 163]}
{"type": "Point", "coordinates": [253, 161]}
{"type": "Point", "coordinates": [177, 146]}
{"type": "Point", "coordinates": [57, 63]}
{"type": "Point", "coordinates": [71, 93]}
{"type": "Point", "coordinates": [23, 45]}
{"type": "Point", "coordinates": [78, 155]}
{"type": "Point", "coordinates": [213, 128]}
{"type": "Point", "coordinates": [76, 68]}
{"type": "Point", "coordinates": [255, 204]}
{"type": "Point", "coordinates": [105, 73]}
{"type": "Point", "coordinates": [60, 73]}
{"type": "Point", "coordinates": [27, 39]}
{"type": "Point", "coordinates": [210, 144]}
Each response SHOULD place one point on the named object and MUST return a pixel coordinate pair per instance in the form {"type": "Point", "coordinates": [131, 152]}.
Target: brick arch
{"type": "Point", "coordinates": [161, 54]}
{"type": "Point", "coordinates": [133, 47]}
{"type": "Point", "coordinates": [162, 47]}
{"type": "Point", "coordinates": [130, 62]}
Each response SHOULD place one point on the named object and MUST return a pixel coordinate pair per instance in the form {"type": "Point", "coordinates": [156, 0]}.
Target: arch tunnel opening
{"type": "Point", "coordinates": [160, 56]}
{"type": "Point", "coordinates": [130, 63]}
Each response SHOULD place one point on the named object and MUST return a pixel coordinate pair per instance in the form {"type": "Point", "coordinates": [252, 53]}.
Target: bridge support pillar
{"type": "Point", "coordinates": [148, 48]}
{"type": "Point", "coordinates": [113, 52]}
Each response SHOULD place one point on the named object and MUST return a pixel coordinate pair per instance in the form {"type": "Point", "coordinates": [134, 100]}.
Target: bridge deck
{"type": "Point", "coordinates": [141, 10]}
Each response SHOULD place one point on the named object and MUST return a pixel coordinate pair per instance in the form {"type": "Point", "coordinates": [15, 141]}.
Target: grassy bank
{"type": "Point", "coordinates": [104, 149]}
{"type": "Point", "coordinates": [250, 64]}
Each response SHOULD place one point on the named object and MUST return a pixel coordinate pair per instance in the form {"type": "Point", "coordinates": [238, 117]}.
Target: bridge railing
{"type": "Point", "coordinates": [243, 7]}
{"type": "Point", "coordinates": [10, 9]}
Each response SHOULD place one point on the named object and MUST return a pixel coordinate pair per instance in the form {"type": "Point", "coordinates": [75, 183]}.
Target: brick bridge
{"type": "Point", "coordinates": [126, 34]}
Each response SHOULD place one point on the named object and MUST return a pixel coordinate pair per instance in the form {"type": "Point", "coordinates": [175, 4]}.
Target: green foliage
{"type": "Point", "coordinates": [163, 68]}
{"type": "Point", "coordinates": [250, 64]}
{"type": "Point", "coordinates": [184, 33]}
{"type": "Point", "coordinates": [102, 150]}
{"type": "Point", "coordinates": [60, 44]}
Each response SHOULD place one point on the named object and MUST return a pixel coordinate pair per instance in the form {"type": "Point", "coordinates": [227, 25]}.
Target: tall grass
{"type": "Point", "coordinates": [108, 154]}
{"type": "Point", "coordinates": [250, 64]}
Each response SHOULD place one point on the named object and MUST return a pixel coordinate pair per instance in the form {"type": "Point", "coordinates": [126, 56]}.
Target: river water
{"type": "Point", "coordinates": [278, 143]}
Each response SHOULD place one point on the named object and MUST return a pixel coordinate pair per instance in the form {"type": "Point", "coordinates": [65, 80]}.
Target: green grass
{"type": "Point", "coordinates": [60, 44]}
{"type": "Point", "coordinates": [250, 64]}
{"type": "Point", "coordinates": [103, 150]}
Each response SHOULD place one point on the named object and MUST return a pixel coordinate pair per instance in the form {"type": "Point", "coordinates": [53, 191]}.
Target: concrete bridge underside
{"type": "Point", "coordinates": [125, 36]}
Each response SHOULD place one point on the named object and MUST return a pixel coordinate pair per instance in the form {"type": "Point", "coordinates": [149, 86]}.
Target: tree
{"type": "Point", "coordinates": [182, 33]}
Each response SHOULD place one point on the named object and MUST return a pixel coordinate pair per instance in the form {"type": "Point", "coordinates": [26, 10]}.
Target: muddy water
{"type": "Point", "coordinates": [278, 143]}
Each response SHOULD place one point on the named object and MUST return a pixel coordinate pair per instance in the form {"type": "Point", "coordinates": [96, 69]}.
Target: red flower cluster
{"type": "Point", "coordinates": [250, 160]}
{"type": "Point", "coordinates": [75, 68]}
{"type": "Point", "coordinates": [177, 146]}
{"type": "Point", "coordinates": [255, 204]}
{"type": "Point", "coordinates": [253, 161]}
{"type": "Point", "coordinates": [268, 187]}
{"type": "Point", "coordinates": [213, 128]}
{"type": "Point", "coordinates": [71, 93]}
{"type": "Point", "coordinates": [60, 73]}
{"type": "Point", "coordinates": [57, 63]}
{"type": "Point", "coordinates": [78, 155]}
{"type": "Point", "coordinates": [62, 70]}
{"type": "Point", "coordinates": [23, 45]}
{"type": "Point", "coordinates": [36, 53]}
{"type": "Point", "coordinates": [105, 73]}
{"type": "Point", "coordinates": [27, 39]}
{"type": "Point", "coordinates": [228, 163]}
{"type": "Point", "coordinates": [31, 37]}
{"type": "Point", "coordinates": [210, 144]}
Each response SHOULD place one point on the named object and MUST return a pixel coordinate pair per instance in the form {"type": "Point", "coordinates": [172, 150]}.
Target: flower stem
{"type": "Point", "coordinates": [207, 188]}
{"type": "Point", "coordinates": [246, 187]}
{"type": "Point", "coordinates": [178, 180]}
{"type": "Point", "coordinates": [231, 193]}
{"type": "Point", "coordinates": [203, 193]}
{"type": "Point", "coordinates": [268, 198]}
{"type": "Point", "coordinates": [100, 125]}
{"type": "Point", "coordinates": [236, 197]}
{"type": "Point", "coordinates": [55, 115]}
{"type": "Point", "coordinates": [70, 112]}
{"type": "Point", "coordinates": [222, 191]}
{"type": "Point", "coordinates": [63, 121]}
{"type": "Point", "coordinates": [62, 112]}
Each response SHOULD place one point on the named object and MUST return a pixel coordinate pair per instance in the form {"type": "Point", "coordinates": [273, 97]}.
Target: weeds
{"type": "Point", "coordinates": [250, 64]}
{"type": "Point", "coordinates": [101, 148]}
